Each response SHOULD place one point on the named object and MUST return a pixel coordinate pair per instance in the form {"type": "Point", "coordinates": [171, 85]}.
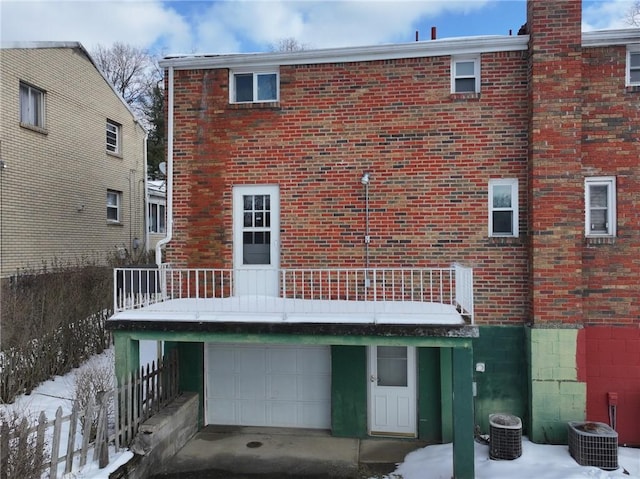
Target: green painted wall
{"type": "Point", "coordinates": [191, 365]}
{"type": "Point", "coordinates": [446, 394]}
{"type": "Point", "coordinates": [127, 355]}
{"type": "Point", "coordinates": [429, 400]}
{"type": "Point", "coordinates": [349, 391]}
{"type": "Point", "coordinates": [503, 385]}
{"type": "Point", "coordinates": [463, 424]}
{"type": "Point", "coordinates": [555, 395]}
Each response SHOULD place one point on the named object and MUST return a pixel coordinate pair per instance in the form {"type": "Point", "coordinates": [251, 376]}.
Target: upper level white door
{"type": "Point", "coordinates": [256, 239]}
{"type": "Point", "coordinates": [392, 391]}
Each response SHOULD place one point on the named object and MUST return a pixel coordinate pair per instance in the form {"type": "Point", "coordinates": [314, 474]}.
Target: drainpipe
{"type": "Point", "coordinates": [145, 216]}
{"type": "Point", "coordinates": [167, 238]}
{"type": "Point", "coordinates": [367, 238]}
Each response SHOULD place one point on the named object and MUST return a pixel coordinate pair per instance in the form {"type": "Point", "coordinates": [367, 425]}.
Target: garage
{"type": "Point", "coordinates": [268, 385]}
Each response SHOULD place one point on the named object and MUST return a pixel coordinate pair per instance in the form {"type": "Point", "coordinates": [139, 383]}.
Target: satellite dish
{"type": "Point", "coordinates": [163, 167]}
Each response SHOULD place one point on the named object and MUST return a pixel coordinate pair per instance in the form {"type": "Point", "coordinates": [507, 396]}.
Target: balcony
{"type": "Point", "coordinates": [407, 296]}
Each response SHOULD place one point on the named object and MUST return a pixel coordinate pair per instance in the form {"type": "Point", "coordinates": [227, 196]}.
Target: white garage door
{"type": "Point", "coordinates": [268, 385]}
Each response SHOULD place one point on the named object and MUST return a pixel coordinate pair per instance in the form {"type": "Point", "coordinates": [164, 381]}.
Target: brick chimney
{"type": "Point", "coordinates": [556, 197]}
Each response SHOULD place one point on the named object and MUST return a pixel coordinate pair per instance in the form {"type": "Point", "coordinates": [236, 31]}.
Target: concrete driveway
{"type": "Point", "coordinates": [248, 452]}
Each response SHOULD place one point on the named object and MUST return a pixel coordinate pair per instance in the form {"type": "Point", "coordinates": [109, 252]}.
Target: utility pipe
{"type": "Point", "coordinates": [169, 183]}
{"type": "Point", "coordinates": [367, 238]}
{"type": "Point", "coordinates": [145, 218]}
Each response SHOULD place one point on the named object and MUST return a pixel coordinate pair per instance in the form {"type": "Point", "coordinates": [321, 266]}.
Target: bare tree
{"type": "Point", "coordinates": [136, 76]}
{"type": "Point", "coordinates": [288, 44]}
{"type": "Point", "coordinates": [633, 14]}
{"type": "Point", "coordinates": [133, 71]}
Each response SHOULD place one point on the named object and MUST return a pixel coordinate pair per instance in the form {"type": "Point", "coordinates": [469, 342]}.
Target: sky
{"type": "Point", "coordinates": [239, 26]}
{"type": "Point", "coordinates": [539, 461]}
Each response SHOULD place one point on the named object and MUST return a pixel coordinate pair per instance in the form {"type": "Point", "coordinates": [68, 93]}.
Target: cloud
{"type": "Point", "coordinates": [603, 15]}
{"type": "Point", "coordinates": [184, 26]}
{"type": "Point", "coordinates": [319, 24]}
{"type": "Point", "coordinates": [92, 22]}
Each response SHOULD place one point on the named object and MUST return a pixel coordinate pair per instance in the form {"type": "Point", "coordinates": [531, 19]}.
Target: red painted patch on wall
{"type": "Point", "coordinates": [612, 359]}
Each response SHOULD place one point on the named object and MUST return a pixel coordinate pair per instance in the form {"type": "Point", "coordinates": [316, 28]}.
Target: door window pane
{"type": "Point", "coordinates": [392, 366]}
{"type": "Point", "coordinates": [256, 237]}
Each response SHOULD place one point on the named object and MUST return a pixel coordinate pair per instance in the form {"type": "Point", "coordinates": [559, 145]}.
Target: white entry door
{"type": "Point", "coordinates": [256, 239]}
{"type": "Point", "coordinates": [392, 391]}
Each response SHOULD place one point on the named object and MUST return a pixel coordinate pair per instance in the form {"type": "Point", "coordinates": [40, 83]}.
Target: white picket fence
{"type": "Point", "coordinates": [112, 418]}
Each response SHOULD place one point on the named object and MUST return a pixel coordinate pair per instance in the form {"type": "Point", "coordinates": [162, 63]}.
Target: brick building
{"type": "Point", "coordinates": [73, 156]}
{"type": "Point", "coordinates": [516, 157]}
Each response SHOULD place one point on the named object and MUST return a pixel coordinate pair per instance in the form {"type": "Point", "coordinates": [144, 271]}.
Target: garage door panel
{"type": "Point", "coordinates": [225, 387]}
{"type": "Point", "coordinates": [252, 387]}
{"type": "Point", "coordinates": [251, 361]}
{"type": "Point", "coordinates": [314, 361]}
{"type": "Point", "coordinates": [314, 390]}
{"type": "Point", "coordinates": [253, 412]}
{"type": "Point", "coordinates": [268, 385]}
{"type": "Point", "coordinates": [284, 413]}
{"type": "Point", "coordinates": [223, 410]}
{"type": "Point", "coordinates": [315, 415]}
{"type": "Point", "coordinates": [283, 360]}
{"type": "Point", "coordinates": [283, 387]}
{"type": "Point", "coordinates": [220, 358]}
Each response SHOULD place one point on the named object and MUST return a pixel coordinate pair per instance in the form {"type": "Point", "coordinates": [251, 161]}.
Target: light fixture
{"type": "Point", "coordinates": [365, 179]}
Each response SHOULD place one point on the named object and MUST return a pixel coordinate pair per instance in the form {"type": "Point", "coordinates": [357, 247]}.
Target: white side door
{"type": "Point", "coordinates": [392, 391]}
{"type": "Point", "coordinates": [256, 239]}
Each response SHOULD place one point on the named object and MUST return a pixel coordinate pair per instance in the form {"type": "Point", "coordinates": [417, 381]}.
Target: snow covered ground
{"type": "Point", "coordinates": [435, 462]}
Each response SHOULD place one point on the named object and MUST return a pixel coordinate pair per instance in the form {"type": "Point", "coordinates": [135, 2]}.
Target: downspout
{"type": "Point", "coordinates": [367, 238]}
{"type": "Point", "coordinates": [145, 216]}
{"type": "Point", "coordinates": [167, 238]}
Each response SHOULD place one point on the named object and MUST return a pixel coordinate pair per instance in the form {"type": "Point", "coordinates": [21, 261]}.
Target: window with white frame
{"type": "Point", "coordinates": [157, 217]}
{"type": "Point", "coordinates": [600, 206]}
{"type": "Point", "coordinates": [465, 74]}
{"type": "Point", "coordinates": [254, 86]}
{"type": "Point", "coordinates": [114, 203]}
{"type": "Point", "coordinates": [503, 207]}
{"type": "Point", "coordinates": [633, 66]}
{"type": "Point", "coordinates": [113, 136]}
{"type": "Point", "coordinates": [31, 105]}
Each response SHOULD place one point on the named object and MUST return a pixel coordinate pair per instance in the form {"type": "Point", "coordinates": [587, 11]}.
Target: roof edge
{"type": "Point", "coordinates": [603, 38]}
{"type": "Point", "coordinates": [39, 44]}
{"type": "Point", "coordinates": [449, 46]}
{"type": "Point", "coordinates": [85, 52]}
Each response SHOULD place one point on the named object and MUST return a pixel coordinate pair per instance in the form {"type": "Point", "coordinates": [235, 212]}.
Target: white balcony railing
{"type": "Point", "coordinates": [305, 290]}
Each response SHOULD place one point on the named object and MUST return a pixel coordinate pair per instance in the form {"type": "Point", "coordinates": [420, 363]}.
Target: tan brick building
{"type": "Point", "coordinates": [73, 154]}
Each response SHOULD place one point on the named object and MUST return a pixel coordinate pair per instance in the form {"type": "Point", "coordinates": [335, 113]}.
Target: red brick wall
{"type": "Point", "coordinates": [430, 155]}
{"type": "Point", "coordinates": [611, 269]}
{"type": "Point", "coordinates": [556, 193]}
{"type": "Point", "coordinates": [611, 147]}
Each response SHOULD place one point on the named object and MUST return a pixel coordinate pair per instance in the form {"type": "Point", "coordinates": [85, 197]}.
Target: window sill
{"type": "Point", "coordinates": [267, 105]}
{"type": "Point", "coordinates": [632, 89]}
{"type": "Point", "coordinates": [598, 240]}
{"type": "Point", "coordinates": [505, 240]}
{"type": "Point", "coordinates": [464, 96]}
{"type": "Point", "coordinates": [114, 223]}
{"type": "Point", "coordinates": [114, 154]}
{"type": "Point", "coordinates": [37, 129]}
